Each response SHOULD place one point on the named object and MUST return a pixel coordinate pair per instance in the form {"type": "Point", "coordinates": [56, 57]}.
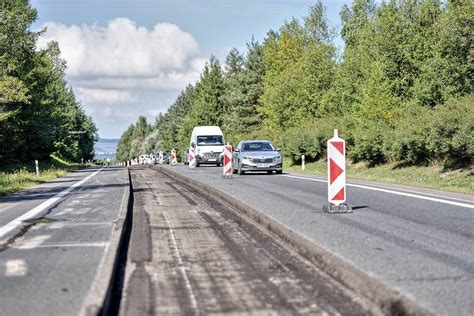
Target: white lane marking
{"type": "Point", "coordinates": [16, 268]}
{"type": "Point", "coordinates": [72, 245]}
{"type": "Point", "coordinates": [181, 266]}
{"type": "Point", "coordinates": [417, 196]}
{"type": "Point", "coordinates": [34, 242]}
{"type": "Point", "coordinates": [40, 208]}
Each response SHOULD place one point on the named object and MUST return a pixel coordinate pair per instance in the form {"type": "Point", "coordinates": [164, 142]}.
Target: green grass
{"type": "Point", "coordinates": [461, 180]}
{"type": "Point", "coordinates": [16, 177]}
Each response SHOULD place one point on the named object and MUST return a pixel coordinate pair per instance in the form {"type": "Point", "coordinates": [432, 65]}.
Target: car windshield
{"type": "Point", "coordinates": [257, 146]}
{"type": "Point", "coordinates": [211, 140]}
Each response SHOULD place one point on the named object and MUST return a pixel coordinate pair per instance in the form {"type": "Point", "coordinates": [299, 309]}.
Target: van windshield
{"type": "Point", "coordinates": [210, 140]}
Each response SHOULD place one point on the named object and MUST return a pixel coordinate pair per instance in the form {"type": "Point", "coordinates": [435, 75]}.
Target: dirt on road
{"type": "Point", "coordinates": [191, 254]}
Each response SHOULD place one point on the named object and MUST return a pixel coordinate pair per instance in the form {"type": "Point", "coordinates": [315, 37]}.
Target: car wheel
{"type": "Point", "coordinates": [269, 172]}
{"type": "Point", "coordinates": [218, 164]}
{"type": "Point", "coordinates": [197, 163]}
{"type": "Point", "coordinates": [240, 171]}
{"type": "Point", "coordinates": [279, 171]}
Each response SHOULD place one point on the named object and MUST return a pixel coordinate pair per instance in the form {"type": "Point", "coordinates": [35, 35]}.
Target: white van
{"type": "Point", "coordinates": [209, 144]}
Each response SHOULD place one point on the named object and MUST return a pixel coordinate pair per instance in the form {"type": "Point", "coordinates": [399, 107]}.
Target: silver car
{"type": "Point", "coordinates": [256, 155]}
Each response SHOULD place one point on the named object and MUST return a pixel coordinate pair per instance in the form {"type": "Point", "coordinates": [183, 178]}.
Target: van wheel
{"type": "Point", "coordinates": [269, 172]}
{"type": "Point", "coordinates": [279, 171]}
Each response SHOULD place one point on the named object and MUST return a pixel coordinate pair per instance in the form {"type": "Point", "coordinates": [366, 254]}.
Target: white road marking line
{"type": "Point", "coordinates": [72, 245]}
{"type": "Point", "coordinates": [417, 196]}
{"type": "Point", "coordinates": [40, 208]}
{"type": "Point", "coordinates": [34, 242]}
{"type": "Point", "coordinates": [16, 268]}
{"type": "Point", "coordinates": [181, 267]}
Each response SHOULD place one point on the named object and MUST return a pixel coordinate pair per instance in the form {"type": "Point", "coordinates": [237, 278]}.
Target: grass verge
{"type": "Point", "coordinates": [434, 177]}
{"type": "Point", "coordinates": [16, 177]}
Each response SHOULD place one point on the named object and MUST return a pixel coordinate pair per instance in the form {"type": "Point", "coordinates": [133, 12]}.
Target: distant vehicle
{"type": "Point", "coordinates": [256, 155]}
{"type": "Point", "coordinates": [209, 144]}
{"type": "Point", "coordinates": [186, 157]}
{"type": "Point", "coordinates": [166, 157]}
{"type": "Point", "coordinates": [142, 159]}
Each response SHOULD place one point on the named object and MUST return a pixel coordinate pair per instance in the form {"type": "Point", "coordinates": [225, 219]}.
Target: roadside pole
{"type": "Point", "coordinates": [336, 156]}
{"type": "Point", "coordinates": [302, 162]}
{"type": "Point", "coordinates": [37, 167]}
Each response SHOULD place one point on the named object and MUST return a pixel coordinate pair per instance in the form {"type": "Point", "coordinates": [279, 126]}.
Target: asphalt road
{"type": "Point", "coordinates": [190, 254]}
{"type": "Point", "coordinates": [49, 262]}
{"type": "Point", "coordinates": [417, 241]}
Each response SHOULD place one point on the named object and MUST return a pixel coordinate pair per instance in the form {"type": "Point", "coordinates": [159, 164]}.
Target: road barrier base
{"type": "Point", "coordinates": [331, 208]}
{"type": "Point", "coordinates": [227, 176]}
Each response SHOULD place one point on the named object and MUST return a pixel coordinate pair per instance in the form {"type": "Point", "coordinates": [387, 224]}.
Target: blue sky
{"type": "Point", "coordinates": [115, 88]}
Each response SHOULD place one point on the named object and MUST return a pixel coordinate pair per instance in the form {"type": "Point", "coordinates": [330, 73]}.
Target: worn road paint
{"type": "Point", "coordinates": [43, 206]}
{"type": "Point", "coordinates": [16, 268]}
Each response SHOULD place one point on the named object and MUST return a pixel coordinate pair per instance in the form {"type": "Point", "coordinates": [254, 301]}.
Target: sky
{"type": "Point", "coordinates": [132, 58]}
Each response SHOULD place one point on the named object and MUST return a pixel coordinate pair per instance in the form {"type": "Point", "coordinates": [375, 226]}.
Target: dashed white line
{"type": "Point", "coordinates": [34, 242]}
{"type": "Point", "coordinates": [417, 196]}
{"type": "Point", "coordinates": [43, 206]}
{"type": "Point", "coordinates": [15, 268]}
{"type": "Point", "coordinates": [181, 266]}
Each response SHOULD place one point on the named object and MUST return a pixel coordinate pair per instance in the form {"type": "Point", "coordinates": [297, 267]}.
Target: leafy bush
{"type": "Point", "coordinates": [368, 139]}
{"type": "Point", "coordinates": [451, 136]}
{"type": "Point", "coordinates": [310, 138]}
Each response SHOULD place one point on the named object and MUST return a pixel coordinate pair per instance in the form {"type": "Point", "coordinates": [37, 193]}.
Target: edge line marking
{"type": "Point", "coordinates": [40, 208]}
{"type": "Point", "coordinates": [417, 196]}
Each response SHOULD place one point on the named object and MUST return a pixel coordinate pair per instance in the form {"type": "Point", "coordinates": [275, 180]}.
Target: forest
{"type": "Point", "coordinates": [400, 90]}
{"type": "Point", "coordinates": [39, 113]}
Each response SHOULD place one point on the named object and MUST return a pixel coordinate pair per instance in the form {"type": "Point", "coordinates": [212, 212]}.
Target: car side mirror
{"type": "Point", "coordinates": [236, 150]}
{"type": "Point", "coordinates": [279, 149]}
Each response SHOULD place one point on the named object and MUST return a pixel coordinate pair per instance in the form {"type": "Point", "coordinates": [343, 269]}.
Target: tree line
{"type": "Point", "coordinates": [401, 90]}
{"type": "Point", "coordinates": [39, 113]}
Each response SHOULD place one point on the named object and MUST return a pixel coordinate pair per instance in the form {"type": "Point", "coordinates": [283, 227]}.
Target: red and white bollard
{"type": "Point", "coordinates": [174, 161]}
{"type": "Point", "coordinates": [227, 163]}
{"type": "Point", "coordinates": [336, 152]}
{"type": "Point", "coordinates": [160, 157]}
{"type": "Point", "coordinates": [192, 158]}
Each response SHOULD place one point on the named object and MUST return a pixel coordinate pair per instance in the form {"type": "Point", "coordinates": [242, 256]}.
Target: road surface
{"type": "Point", "coordinates": [190, 254]}
{"type": "Point", "coordinates": [49, 262]}
{"type": "Point", "coordinates": [417, 241]}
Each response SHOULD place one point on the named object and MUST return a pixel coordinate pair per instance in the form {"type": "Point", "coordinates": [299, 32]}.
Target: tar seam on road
{"type": "Point", "coordinates": [417, 196]}
{"type": "Point", "coordinates": [181, 266]}
{"type": "Point", "coordinates": [40, 208]}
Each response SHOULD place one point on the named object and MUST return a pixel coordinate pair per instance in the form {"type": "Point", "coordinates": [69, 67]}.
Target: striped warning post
{"type": "Point", "coordinates": [336, 169]}
{"type": "Point", "coordinates": [173, 159]}
{"type": "Point", "coordinates": [227, 165]}
{"type": "Point", "coordinates": [160, 157]}
{"type": "Point", "coordinates": [192, 158]}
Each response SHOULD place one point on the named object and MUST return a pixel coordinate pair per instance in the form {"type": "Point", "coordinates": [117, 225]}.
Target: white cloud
{"type": "Point", "coordinates": [122, 48]}
{"type": "Point", "coordinates": [124, 67]}
{"type": "Point", "coordinates": [105, 96]}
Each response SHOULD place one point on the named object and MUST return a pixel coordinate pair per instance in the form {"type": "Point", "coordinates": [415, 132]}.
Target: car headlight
{"type": "Point", "coordinates": [246, 158]}
{"type": "Point", "coordinates": [277, 159]}
{"type": "Point", "coordinates": [198, 151]}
